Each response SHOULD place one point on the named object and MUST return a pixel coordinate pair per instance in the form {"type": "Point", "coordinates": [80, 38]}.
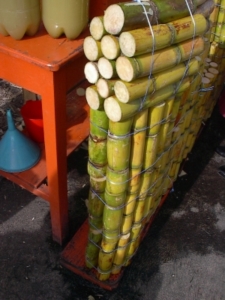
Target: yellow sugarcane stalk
{"type": "Point", "coordinates": [220, 21]}
{"type": "Point", "coordinates": [144, 40]}
{"type": "Point", "coordinates": [129, 69]}
{"type": "Point", "coordinates": [213, 18]}
{"type": "Point", "coordinates": [120, 253]}
{"type": "Point", "coordinates": [129, 91]}
{"type": "Point", "coordinates": [117, 111]}
{"type": "Point", "coordinates": [138, 139]}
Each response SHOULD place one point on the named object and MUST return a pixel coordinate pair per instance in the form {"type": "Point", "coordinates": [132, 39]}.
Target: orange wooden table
{"type": "Point", "coordinates": [51, 68]}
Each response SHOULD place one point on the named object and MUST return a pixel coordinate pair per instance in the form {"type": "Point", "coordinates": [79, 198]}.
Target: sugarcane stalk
{"type": "Point", "coordinates": [97, 150]}
{"type": "Point", "coordinates": [95, 170]}
{"type": "Point", "coordinates": [145, 185]}
{"type": "Point", "coordinates": [95, 203]}
{"type": "Point", "coordinates": [220, 21]}
{"type": "Point", "coordinates": [143, 40]}
{"type": "Point", "coordinates": [116, 184]}
{"type": "Point", "coordinates": [93, 247]}
{"type": "Point", "coordinates": [107, 68]}
{"type": "Point", "coordinates": [206, 8]}
{"type": "Point", "coordinates": [109, 240]}
{"type": "Point", "coordinates": [155, 118]}
{"type": "Point", "coordinates": [112, 218]}
{"type": "Point", "coordinates": [162, 137]}
{"type": "Point", "coordinates": [120, 253]}
{"type": "Point", "coordinates": [126, 223]}
{"type": "Point", "coordinates": [130, 203]}
{"type": "Point", "coordinates": [150, 151]}
{"type": "Point", "coordinates": [95, 223]}
{"type": "Point", "coordinates": [127, 16]}
{"type": "Point", "coordinates": [98, 184]}
{"type": "Point", "coordinates": [99, 124]}
{"type": "Point", "coordinates": [118, 152]}
{"type": "Point", "coordinates": [105, 87]}
{"type": "Point", "coordinates": [110, 46]}
{"type": "Point", "coordinates": [134, 180]}
{"type": "Point", "coordinates": [213, 19]}
{"type": "Point", "coordinates": [117, 111]}
{"type": "Point", "coordinates": [138, 139]}
{"type": "Point", "coordinates": [120, 128]}
{"type": "Point", "coordinates": [92, 48]}
{"type": "Point", "coordinates": [116, 200]}
{"type": "Point", "coordinates": [94, 100]}
{"type": "Point", "coordinates": [105, 260]}
{"type": "Point", "coordinates": [96, 28]}
{"type": "Point", "coordinates": [213, 50]}
{"type": "Point", "coordinates": [129, 69]}
{"type": "Point", "coordinates": [222, 36]}
{"type": "Point", "coordinates": [173, 10]}
{"type": "Point", "coordinates": [129, 91]}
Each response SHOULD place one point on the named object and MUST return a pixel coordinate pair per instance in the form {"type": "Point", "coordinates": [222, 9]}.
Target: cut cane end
{"type": "Point", "coordinates": [127, 44]}
{"type": "Point", "coordinates": [110, 47]}
{"type": "Point", "coordinates": [90, 48]}
{"type": "Point", "coordinates": [92, 98]}
{"type": "Point", "coordinates": [112, 109]}
{"type": "Point", "coordinates": [91, 72]}
{"type": "Point", "coordinates": [102, 88]}
{"type": "Point", "coordinates": [124, 69]}
{"type": "Point", "coordinates": [113, 19]}
{"type": "Point", "coordinates": [97, 28]}
{"type": "Point", "coordinates": [105, 68]}
{"type": "Point", "coordinates": [121, 92]}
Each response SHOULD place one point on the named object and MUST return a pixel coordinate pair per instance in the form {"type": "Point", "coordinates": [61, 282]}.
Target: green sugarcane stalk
{"type": "Point", "coordinates": [112, 218]}
{"type": "Point", "coordinates": [118, 152]}
{"type": "Point", "coordinates": [120, 128]}
{"type": "Point", "coordinates": [127, 16]}
{"type": "Point", "coordinates": [99, 124]}
{"type": "Point", "coordinates": [97, 150]}
{"type": "Point", "coordinates": [96, 203]}
{"type": "Point", "coordinates": [92, 248]}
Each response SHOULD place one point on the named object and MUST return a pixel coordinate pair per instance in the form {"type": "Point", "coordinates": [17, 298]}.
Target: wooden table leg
{"type": "Point", "coordinates": [54, 118]}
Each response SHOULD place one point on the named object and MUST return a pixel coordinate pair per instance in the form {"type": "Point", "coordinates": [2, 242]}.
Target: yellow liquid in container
{"type": "Point", "coordinates": [68, 17]}
{"type": "Point", "coordinates": [19, 17]}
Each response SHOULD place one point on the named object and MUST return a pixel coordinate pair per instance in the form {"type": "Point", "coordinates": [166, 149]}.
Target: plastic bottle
{"type": "Point", "coordinates": [68, 17]}
{"type": "Point", "coordinates": [19, 17]}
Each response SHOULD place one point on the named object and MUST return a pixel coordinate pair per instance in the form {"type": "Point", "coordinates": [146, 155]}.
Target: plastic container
{"type": "Point", "coordinates": [65, 17]}
{"type": "Point", "coordinates": [32, 116]}
{"type": "Point", "coordinates": [19, 17]}
{"type": "Point", "coordinates": [17, 152]}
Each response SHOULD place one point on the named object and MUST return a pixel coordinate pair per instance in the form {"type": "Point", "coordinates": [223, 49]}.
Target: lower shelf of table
{"type": "Point", "coordinates": [73, 256]}
{"type": "Point", "coordinates": [33, 179]}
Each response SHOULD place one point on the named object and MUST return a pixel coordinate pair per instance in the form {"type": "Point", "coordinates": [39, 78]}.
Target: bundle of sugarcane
{"type": "Point", "coordinates": [135, 99]}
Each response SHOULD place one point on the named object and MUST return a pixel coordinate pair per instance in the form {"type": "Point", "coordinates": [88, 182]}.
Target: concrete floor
{"type": "Point", "coordinates": [181, 257]}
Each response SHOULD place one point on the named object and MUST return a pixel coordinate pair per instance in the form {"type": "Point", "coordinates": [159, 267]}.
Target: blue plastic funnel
{"type": "Point", "coordinates": [17, 152]}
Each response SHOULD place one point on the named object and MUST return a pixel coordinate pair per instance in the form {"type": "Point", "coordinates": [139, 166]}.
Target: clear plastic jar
{"type": "Point", "coordinates": [19, 17]}
{"type": "Point", "coordinates": [68, 17]}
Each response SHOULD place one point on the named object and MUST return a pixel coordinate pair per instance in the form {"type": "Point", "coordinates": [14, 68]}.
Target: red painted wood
{"type": "Point", "coordinates": [73, 256]}
{"type": "Point", "coordinates": [50, 68]}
